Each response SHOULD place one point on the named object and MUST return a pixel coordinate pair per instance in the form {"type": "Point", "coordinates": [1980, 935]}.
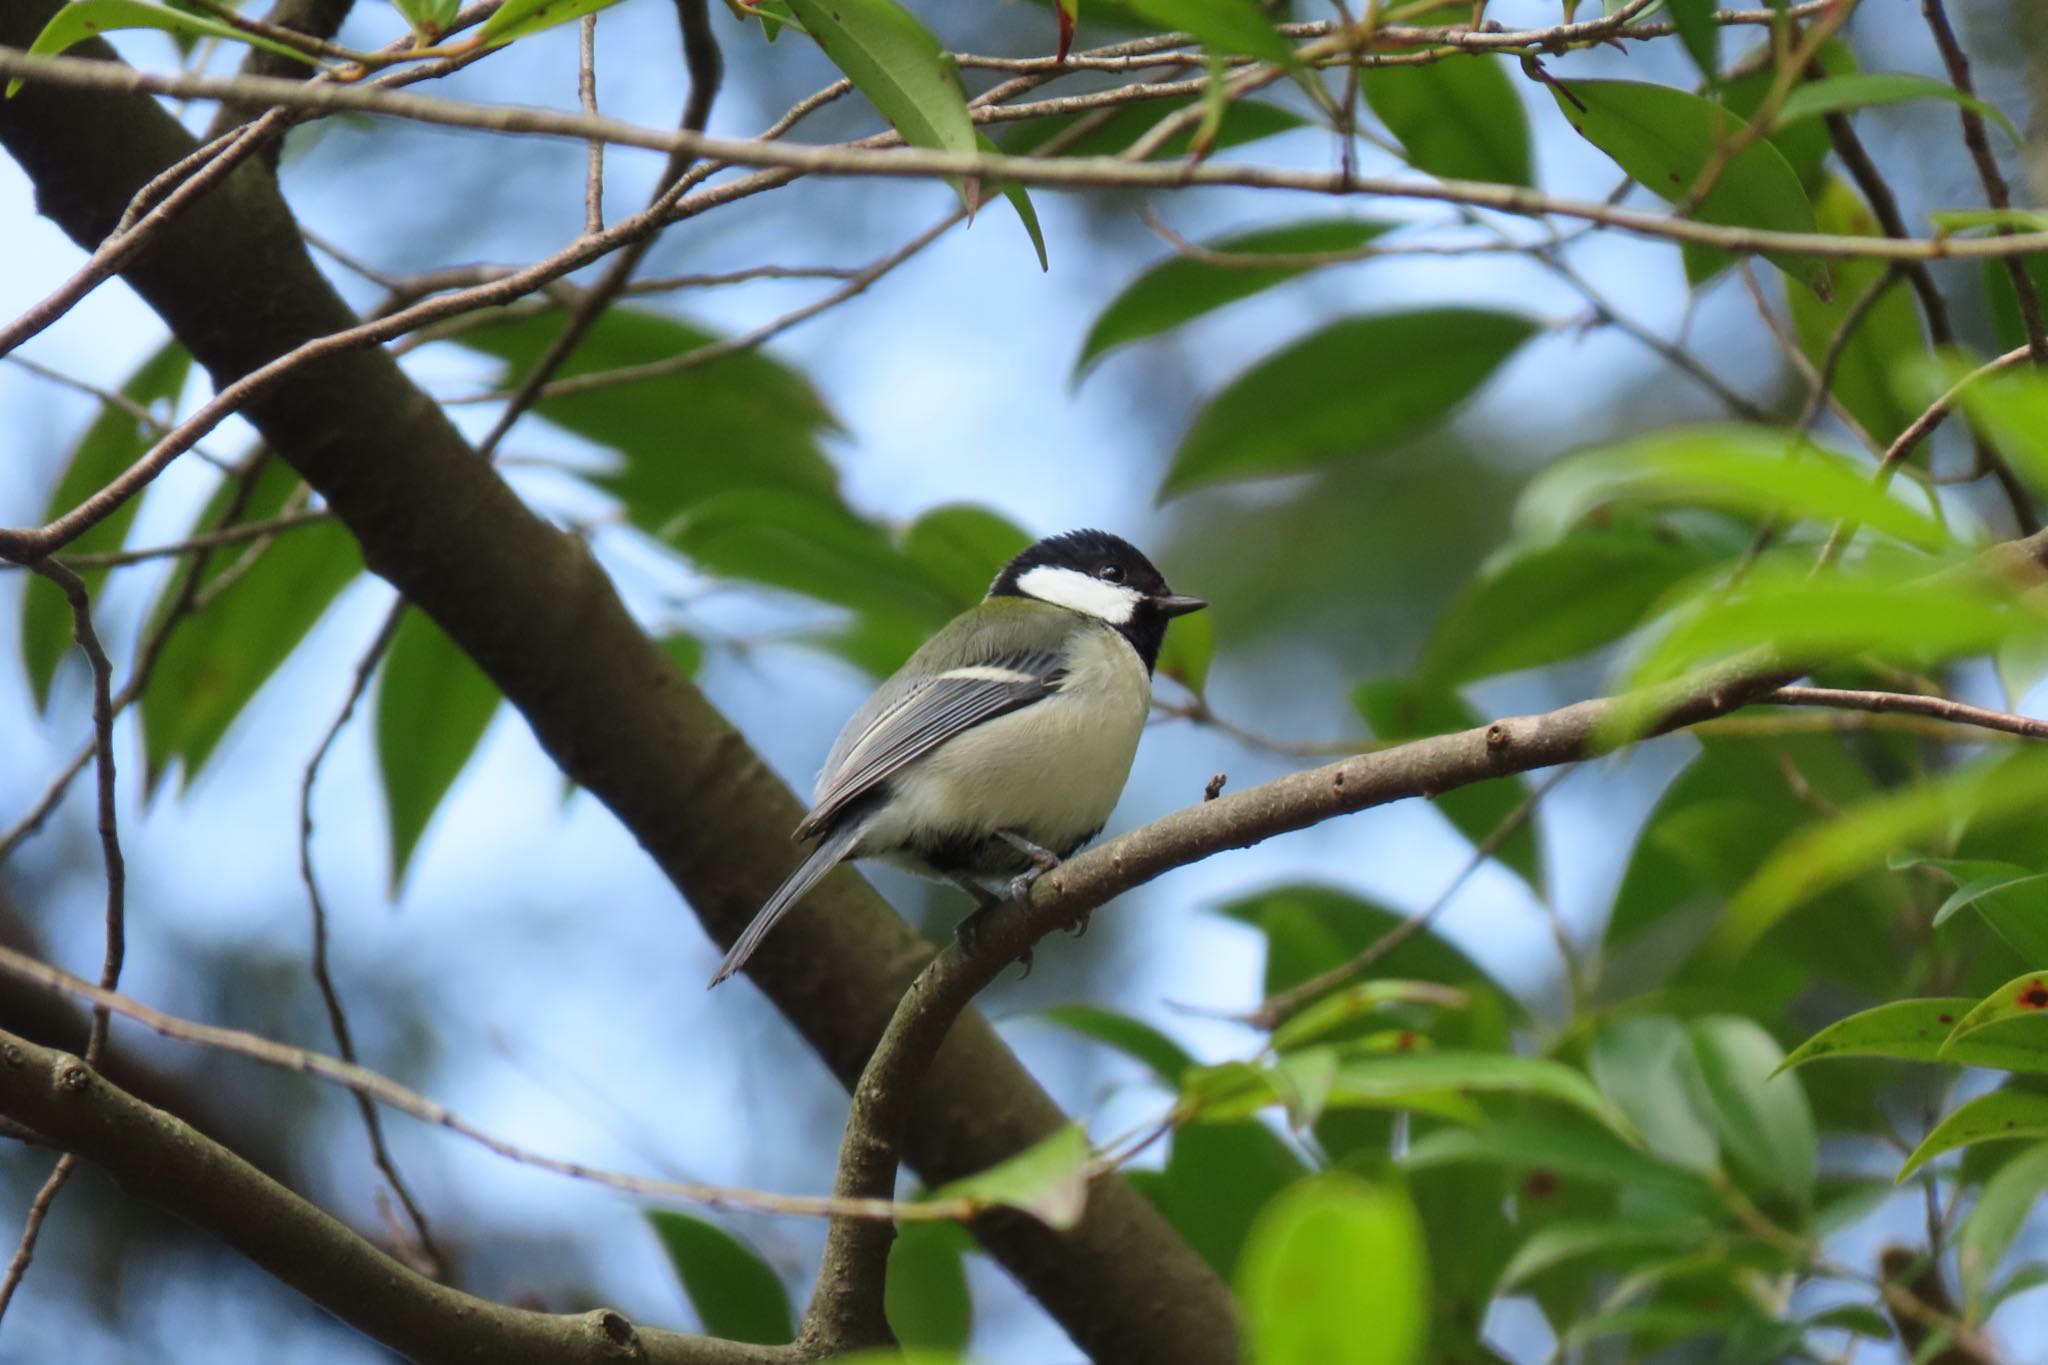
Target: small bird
{"type": "Point", "coordinates": [1002, 745]}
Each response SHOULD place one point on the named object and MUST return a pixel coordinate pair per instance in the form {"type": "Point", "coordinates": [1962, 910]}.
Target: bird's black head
{"type": "Point", "coordinates": [1099, 575]}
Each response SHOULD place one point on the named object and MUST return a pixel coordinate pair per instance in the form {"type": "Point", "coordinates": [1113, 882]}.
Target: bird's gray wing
{"type": "Point", "coordinates": [898, 727]}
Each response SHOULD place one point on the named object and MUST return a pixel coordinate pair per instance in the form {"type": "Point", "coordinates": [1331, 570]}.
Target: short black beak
{"type": "Point", "coordinates": [1173, 604]}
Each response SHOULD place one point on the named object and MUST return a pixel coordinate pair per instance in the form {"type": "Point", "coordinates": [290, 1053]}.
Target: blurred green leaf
{"type": "Point", "coordinates": [1020, 204]}
{"type": "Point", "coordinates": [1245, 121]}
{"type": "Point", "coordinates": [2004, 303]}
{"type": "Point", "coordinates": [1397, 709]}
{"type": "Point", "coordinates": [1864, 89]}
{"type": "Point", "coordinates": [1218, 1176]}
{"type": "Point", "coordinates": [925, 1295]}
{"type": "Point", "coordinates": [433, 706]}
{"type": "Point", "coordinates": [73, 23]}
{"type": "Point", "coordinates": [1480, 1072]}
{"type": "Point", "coordinates": [809, 545]}
{"type": "Point", "coordinates": [1765, 1126]}
{"type": "Point", "coordinates": [1363, 997]}
{"type": "Point", "coordinates": [214, 663]}
{"type": "Point", "coordinates": [2002, 1115]}
{"type": "Point", "coordinates": [1993, 1223]}
{"type": "Point", "coordinates": [2011, 409]}
{"type": "Point", "coordinates": [1233, 26]}
{"type": "Point", "coordinates": [1458, 120]}
{"type": "Point", "coordinates": [1758, 471]}
{"type": "Point", "coordinates": [1189, 650]}
{"type": "Point", "coordinates": [961, 548]}
{"type": "Point", "coordinates": [1824, 855]}
{"type": "Point", "coordinates": [428, 18]}
{"type": "Point", "coordinates": [1694, 20]}
{"type": "Point", "coordinates": [2013, 901]}
{"type": "Point", "coordinates": [1647, 1066]}
{"type": "Point", "coordinates": [1885, 339]}
{"type": "Point", "coordinates": [734, 1292]}
{"type": "Point", "coordinates": [1906, 618]}
{"type": "Point", "coordinates": [517, 19]}
{"type": "Point", "coordinates": [1181, 288]}
{"type": "Point", "coordinates": [1167, 1059]}
{"type": "Point", "coordinates": [1859, 1319]}
{"type": "Point", "coordinates": [1665, 138]}
{"type": "Point", "coordinates": [1575, 1151]}
{"type": "Point", "coordinates": [114, 441]}
{"type": "Point", "coordinates": [1358, 385]}
{"type": "Point", "coordinates": [1542, 604]}
{"type": "Point", "coordinates": [1315, 1249]}
{"type": "Point", "coordinates": [1048, 1180]}
{"type": "Point", "coordinates": [685, 651]}
{"type": "Point", "coordinates": [1561, 1242]}
{"type": "Point", "coordinates": [1970, 220]}
{"type": "Point", "coordinates": [676, 433]}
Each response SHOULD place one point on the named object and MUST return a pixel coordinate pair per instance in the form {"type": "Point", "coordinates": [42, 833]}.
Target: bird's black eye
{"type": "Point", "coordinates": [1111, 573]}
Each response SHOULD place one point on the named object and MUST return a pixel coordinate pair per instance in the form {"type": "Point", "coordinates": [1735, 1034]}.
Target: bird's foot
{"type": "Point", "coordinates": [1079, 926]}
{"type": "Point", "coordinates": [1043, 860]}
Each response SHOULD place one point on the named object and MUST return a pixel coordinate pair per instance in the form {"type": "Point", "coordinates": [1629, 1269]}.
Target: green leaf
{"type": "Point", "coordinates": [2012, 411]}
{"type": "Point", "coordinates": [1355, 386]}
{"type": "Point", "coordinates": [517, 19]}
{"type": "Point", "coordinates": [1968, 220]}
{"type": "Point", "coordinates": [1574, 1151]}
{"type": "Point", "coordinates": [1569, 1241]}
{"type": "Point", "coordinates": [685, 651]}
{"type": "Point", "coordinates": [215, 662]}
{"type": "Point", "coordinates": [1364, 997]}
{"type": "Point", "coordinates": [2001, 1115]}
{"type": "Point", "coordinates": [809, 545]}
{"type": "Point", "coordinates": [1994, 1222]}
{"type": "Point", "coordinates": [433, 706]}
{"type": "Point", "coordinates": [2004, 303]}
{"type": "Point", "coordinates": [1824, 855]}
{"type": "Point", "coordinates": [1048, 1180]}
{"type": "Point", "coordinates": [1884, 340]}
{"type": "Point", "coordinates": [1484, 1072]}
{"type": "Point", "coordinates": [1646, 1064]}
{"type": "Point", "coordinates": [1245, 121]}
{"type": "Point", "coordinates": [1664, 138]}
{"type": "Point", "coordinates": [1397, 709]}
{"type": "Point", "coordinates": [1457, 120]}
{"type": "Point", "coordinates": [1863, 89]}
{"type": "Point", "coordinates": [114, 441]}
{"type": "Point", "coordinates": [1694, 20]}
{"type": "Point", "coordinates": [1314, 1250]}
{"type": "Point", "coordinates": [1902, 617]}
{"type": "Point", "coordinates": [1856, 1318]}
{"type": "Point", "coordinates": [1765, 1126]}
{"type": "Point", "coordinates": [1218, 1176]}
{"type": "Point", "coordinates": [1167, 1059]}
{"type": "Point", "coordinates": [2023, 997]}
{"type": "Point", "coordinates": [82, 19]}
{"type": "Point", "coordinates": [1757, 471]}
{"type": "Point", "coordinates": [1181, 288]}
{"type": "Point", "coordinates": [1911, 1030]}
{"type": "Point", "coordinates": [2013, 901]}
{"type": "Point", "coordinates": [1020, 203]}
{"type": "Point", "coordinates": [744, 402]}
{"type": "Point", "coordinates": [962, 548]}
{"type": "Point", "coordinates": [734, 1292]}
{"type": "Point", "coordinates": [925, 1295]}
{"type": "Point", "coordinates": [896, 62]}
{"type": "Point", "coordinates": [429, 18]}
{"type": "Point", "coordinates": [1540, 604]}
{"type": "Point", "coordinates": [1189, 650]}
{"type": "Point", "coordinates": [1222, 25]}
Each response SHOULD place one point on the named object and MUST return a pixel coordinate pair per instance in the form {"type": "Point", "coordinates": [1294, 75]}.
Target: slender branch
{"type": "Point", "coordinates": [586, 97]}
{"type": "Point", "coordinates": [430, 1256]}
{"type": "Point", "coordinates": [114, 872]}
{"type": "Point", "coordinates": [1940, 708]}
{"type": "Point", "coordinates": [1996, 192]}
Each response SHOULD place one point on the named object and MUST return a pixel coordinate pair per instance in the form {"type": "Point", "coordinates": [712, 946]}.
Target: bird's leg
{"type": "Point", "coordinates": [1043, 860]}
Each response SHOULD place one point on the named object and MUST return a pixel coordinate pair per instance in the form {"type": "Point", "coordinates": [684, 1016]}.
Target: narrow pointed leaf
{"type": "Point", "coordinates": [1994, 1222]}
{"type": "Point", "coordinates": [1911, 1030]}
{"type": "Point", "coordinates": [1562, 1242]}
{"type": "Point", "coordinates": [1694, 20]}
{"type": "Point", "coordinates": [925, 1295]}
{"type": "Point", "coordinates": [1359, 385]}
{"type": "Point", "coordinates": [736, 1295]}
{"type": "Point", "coordinates": [1664, 138]}
{"type": "Point", "coordinates": [1762, 1117]}
{"type": "Point", "coordinates": [962, 547]}
{"type": "Point", "coordinates": [1244, 121]}
{"type": "Point", "coordinates": [433, 706]}
{"type": "Point", "coordinates": [1180, 288]}
{"type": "Point", "coordinates": [1167, 1059]}
{"type": "Point", "coordinates": [1234, 26]}
{"type": "Point", "coordinates": [516, 19]}
{"type": "Point", "coordinates": [1572, 1151]}
{"type": "Point", "coordinates": [1364, 997]}
{"type": "Point", "coordinates": [113, 441]}
{"type": "Point", "coordinates": [1490, 1073]}
{"type": "Point", "coordinates": [2023, 997]}
{"type": "Point", "coordinates": [1863, 89]}
{"type": "Point", "coordinates": [82, 19]}
{"type": "Point", "coordinates": [2002, 1115]}
{"type": "Point", "coordinates": [1887, 337]}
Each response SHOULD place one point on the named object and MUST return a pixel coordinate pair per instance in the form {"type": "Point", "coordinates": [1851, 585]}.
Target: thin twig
{"type": "Point", "coordinates": [429, 1257]}
{"type": "Point", "coordinates": [1940, 708]}
{"type": "Point", "coordinates": [586, 95]}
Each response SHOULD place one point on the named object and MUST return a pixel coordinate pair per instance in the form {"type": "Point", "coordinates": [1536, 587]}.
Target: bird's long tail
{"type": "Point", "coordinates": [823, 859]}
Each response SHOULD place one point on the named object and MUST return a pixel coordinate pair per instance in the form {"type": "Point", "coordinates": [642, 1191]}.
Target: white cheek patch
{"type": "Point", "coordinates": [1076, 591]}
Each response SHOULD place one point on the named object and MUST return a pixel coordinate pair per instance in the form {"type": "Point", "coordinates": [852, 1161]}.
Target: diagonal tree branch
{"type": "Point", "coordinates": [232, 277]}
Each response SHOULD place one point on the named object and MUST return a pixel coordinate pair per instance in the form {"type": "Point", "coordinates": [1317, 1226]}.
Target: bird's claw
{"type": "Point", "coordinates": [1079, 926]}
